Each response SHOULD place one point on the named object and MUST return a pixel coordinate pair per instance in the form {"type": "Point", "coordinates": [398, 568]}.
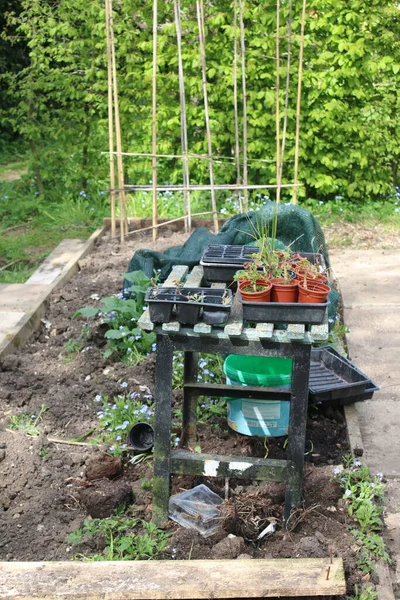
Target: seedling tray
{"type": "Point", "coordinates": [333, 377]}
{"type": "Point", "coordinates": [284, 312]}
{"type": "Point", "coordinates": [189, 305]}
{"type": "Point", "coordinates": [343, 398]}
{"type": "Point", "coordinates": [220, 262]}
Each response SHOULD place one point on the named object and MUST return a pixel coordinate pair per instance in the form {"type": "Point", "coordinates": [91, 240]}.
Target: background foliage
{"type": "Point", "coordinates": [53, 82]}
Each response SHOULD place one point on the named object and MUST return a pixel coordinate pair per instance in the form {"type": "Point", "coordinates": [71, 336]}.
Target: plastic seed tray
{"type": "Point", "coordinates": [189, 305]}
{"type": "Point", "coordinates": [334, 377]}
{"type": "Point", "coordinates": [284, 312]}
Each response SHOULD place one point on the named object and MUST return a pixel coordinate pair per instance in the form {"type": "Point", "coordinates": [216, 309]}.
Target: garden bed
{"type": "Point", "coordinates": [47, 488]}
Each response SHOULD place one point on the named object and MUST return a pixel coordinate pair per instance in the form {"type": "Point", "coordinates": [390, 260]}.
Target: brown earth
{"type": "Point", "coordinates": [47, 487]}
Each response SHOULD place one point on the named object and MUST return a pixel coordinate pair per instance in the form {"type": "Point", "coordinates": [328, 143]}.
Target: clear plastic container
{"type": "Point", "coordinates": [196, 509]}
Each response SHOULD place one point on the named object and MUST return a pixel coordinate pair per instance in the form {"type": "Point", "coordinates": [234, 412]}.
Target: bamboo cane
{"type": "Point", "coordinates": [235, 102]}
{"type": "Point", "coordinates": [110, 121]}
{"type": "Point", "coordinates": [300, 76]}
{"type": "Point", "coordinates": [244, 92]}
{"type": "Point", "coordinates": [121, 193]}
{"type": "Point", "coordinates": [200, 20]}
{"type": "Point", "coordinates": [184, 137]}
{"type": "Point", "coordinates": [287, 88]}
{"type": "Point", "coordinates": [217, 186]}
{"type": "Point", "coordinates": [277, 109]}
{"type": "Point", "coordinates": [154, 119]}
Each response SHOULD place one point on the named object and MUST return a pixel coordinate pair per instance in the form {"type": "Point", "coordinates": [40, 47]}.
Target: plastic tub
{"type": "Point", "coordinates": [258, 417]}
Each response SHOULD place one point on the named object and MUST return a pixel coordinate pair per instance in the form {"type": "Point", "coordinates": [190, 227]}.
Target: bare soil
{"type": "Point", "coordinates": [47, 488]}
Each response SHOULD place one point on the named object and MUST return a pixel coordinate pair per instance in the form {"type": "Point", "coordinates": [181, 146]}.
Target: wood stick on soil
{"type": "Point", "coordinates": [298, 106]}
{"type": "Point", "coordinates": [168, 222]}
{"type": "Point", "coordinates": [13, 262]}
{"type": "Point", "coordinates": [120, 170]}
{"type": "Point", "coordinates": [110, 120]}
{"type": "Point", "coordinates": [277, 109]}
{"type": "Point", "coordinates": [244, 93]}
{"type": "Point", "coordinates": [70, 443]}
{"type": "Point", "coordinates": [287, 87]}
{"type": "Point", "coordinates": [200, 21]}
{"type": "Point", "coordinates": [154, 119]}
{"type": "Point", "coordinates": [184, 137]}
{"type": "Point", "coordinates": [235, 101]}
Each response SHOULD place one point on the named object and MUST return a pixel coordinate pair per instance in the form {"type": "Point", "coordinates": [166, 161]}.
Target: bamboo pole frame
{"type": "Point", "coordinates": [235, 101]}
{"type": "Point", "coordinates": [287, 88]}
{"type": "Point", "coordinates": [110, 120]}
{"type": "Point", "coordinates": [244, 100]}
{"type": "Point", "coordinates": [184, 136]}
{"type": "Point", "coordinates": [121, 192]}
{"type": "Point", "coordinates": [298, 104]}
{"type": "Point", "coordinates": [222, 186]}
{"type": "Point", "coordinates": [200, 20]}
{"type": "Point", "coordinates": [154, 120]}
{"type": "Point", "coordinates": [277, 105]}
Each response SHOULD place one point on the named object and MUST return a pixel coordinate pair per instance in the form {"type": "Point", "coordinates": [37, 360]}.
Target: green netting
{"type": "Point", "coordinates": [296, 228]}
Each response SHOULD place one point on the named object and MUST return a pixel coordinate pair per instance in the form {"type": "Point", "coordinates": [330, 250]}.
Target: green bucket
{"type": "Point", "coordinates": [258, 417]}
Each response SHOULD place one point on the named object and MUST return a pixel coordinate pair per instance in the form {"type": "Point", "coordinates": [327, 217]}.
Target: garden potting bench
{"type": "Point", "coordinates": [235, 338]}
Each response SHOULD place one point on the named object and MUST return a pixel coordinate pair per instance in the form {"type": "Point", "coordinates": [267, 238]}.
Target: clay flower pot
{"type": "Point", "coordinates": [316, 292]}
{"type": "Point", "coordinates": [263, 295]}
{"type": "Point", "coordinates": [310, 276]}
{"type": "Point", "coordinates": [284, 291]}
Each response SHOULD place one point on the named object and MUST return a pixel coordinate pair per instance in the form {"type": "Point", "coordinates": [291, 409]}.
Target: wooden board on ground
{"type": "Point", "coordinates": [153, 580]}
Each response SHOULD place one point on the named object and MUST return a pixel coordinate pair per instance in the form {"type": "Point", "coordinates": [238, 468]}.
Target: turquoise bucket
{"type": "Point", "coordinates": [258, 417]}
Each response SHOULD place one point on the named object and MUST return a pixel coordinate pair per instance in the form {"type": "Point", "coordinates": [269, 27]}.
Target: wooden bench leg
{"type": "Point", "coordinates": [162, 430]}
{"type": "Point", "coordinates": [189, 419]}
{"type": "Point", "coordinates": [297, 427]}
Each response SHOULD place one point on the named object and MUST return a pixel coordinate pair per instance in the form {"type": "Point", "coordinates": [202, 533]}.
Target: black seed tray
{"type": "Point", "coordinates": [352, 395]}
{"type": "Point", "coordinates": [220, 262]}
{"type": "Point", "coordinates": [284, 312]}
{"type": "Point", "coordinates": [333, 377]}
{"type": "Point", "coordinates": [171, 304]}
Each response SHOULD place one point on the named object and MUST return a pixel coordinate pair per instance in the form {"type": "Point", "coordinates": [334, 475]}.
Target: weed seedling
{"type": "Point", "coordinates": [27, 422]}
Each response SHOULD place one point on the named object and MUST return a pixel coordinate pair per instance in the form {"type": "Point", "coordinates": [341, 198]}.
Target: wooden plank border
{"type": "Point", "coordinates": [167, 580]}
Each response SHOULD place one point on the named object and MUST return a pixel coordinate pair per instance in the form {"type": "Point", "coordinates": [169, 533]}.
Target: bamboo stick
{"type": "Point", "coordinates": [287, 88]}
{"type": "Point", "coordinates": [154, 119]}
{"type": "Point", "coordinates": [277, 108]}
{"type": "Point", "coordinates": [192, 156]}
{"type": "Point", "coordinates": [235, 101]}
{"type": "Point", "coordinates": [200, 20]}
{"type": "Point", "coordinates": [121, 193]}
{"type": "Point", "coordinates": [298, 105]}
{"type": "Point", "coordinates": [184, 137]}
{"type": "Point", "coordinates": [209, 212]}
{"type": "Point", "coordinates": [244, 92]}
{"type": "Point", "coordinates": [204, 187]}
{"type": "Point", "coordinates": [110, 121]}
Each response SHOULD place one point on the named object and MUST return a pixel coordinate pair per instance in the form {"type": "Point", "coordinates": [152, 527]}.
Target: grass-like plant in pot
{"type": "Point", "coordinates": [253, 285]}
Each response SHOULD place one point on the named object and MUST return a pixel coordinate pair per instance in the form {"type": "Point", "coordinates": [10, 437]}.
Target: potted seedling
{"type": "Point", "coordinates": [284, 284]}
{"type": "Point", "coordinates": [188, 308]}
{"type": "Point", "coordinates": [253, 284]}
{"type": "Point", "coordinates": [216, 307]}
{"type": "Point", "coordinates": [313, 292]}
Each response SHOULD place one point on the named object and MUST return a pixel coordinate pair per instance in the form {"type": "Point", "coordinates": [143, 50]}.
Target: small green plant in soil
{"type": "Point", "coordinates": [118, 415]}
{"type": "Point", "coordinates": [367, 593]}
{"type": "Point", "coordinates": [364, 496]}
{"type": "Point", "coordinates": [27, 422]}
{"type": "Point", "coordinates": [71, 347]}
{"type": "Point", "coordinates": [121, 313]}
{"type": "Point", "coordinates": [126, 538]}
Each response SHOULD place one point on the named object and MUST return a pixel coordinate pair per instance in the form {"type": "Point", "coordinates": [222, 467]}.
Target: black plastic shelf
{"type": "Point", "coordinates": [333, 377]}
{"type": "Point", "coordinates": [284, 312]}
{"type": "Point", "coordinates": [169, 304]}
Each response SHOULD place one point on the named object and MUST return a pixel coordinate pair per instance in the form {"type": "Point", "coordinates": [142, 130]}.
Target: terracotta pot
{"type": "Point", "coordinates": [312, 277]}
{"type": "Point", "coordinates": [260, 296]}
{"type": "Point", "coordinates": [315, 294]}
{"type": "Point", "coordinates": [284, 292]}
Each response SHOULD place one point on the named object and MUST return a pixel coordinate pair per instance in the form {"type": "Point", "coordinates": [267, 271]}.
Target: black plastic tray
{"type": "Point", "coordinates": [220, 262]}
{"type": "Point", "coordinates": [333, 377]}
{"type": "Point", "coordinates": [172, 304]}
{"type": "Point", "coordinates": [353, 396]}
{"type": "Point", "coordinates": [284, 312]}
